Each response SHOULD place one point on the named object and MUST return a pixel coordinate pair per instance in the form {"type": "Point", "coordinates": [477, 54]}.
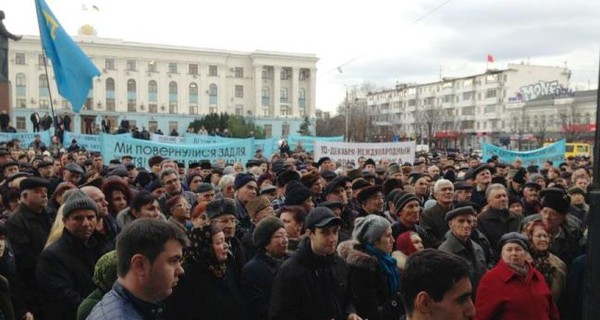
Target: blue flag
{"type": "Point", "coordinates": [73, 69]}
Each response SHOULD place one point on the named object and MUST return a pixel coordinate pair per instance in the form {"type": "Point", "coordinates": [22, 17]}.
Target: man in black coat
{"type": "Point", "coordinates": [497, 220]}
{"type": "Point", "coordinates": [313, 283]}
{"type": "Point", "coordinates": [65, 269]}
{"type": "Point", "coordinates": [28, 230]}
{"type": "Point", "coordinates": [35, 121]}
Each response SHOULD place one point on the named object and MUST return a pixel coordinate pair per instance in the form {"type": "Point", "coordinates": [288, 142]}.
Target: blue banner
{"type": "Point", "coordinates": [554, 152]}
{"type": "Point", "coordinates": [90, 142]}
{"type": "Point", "coordinates": [114, 147]}
{"type": "Point", "coordinates": [308, 142]}
{"type": "Point", "coordinates": [73, 69]}
{"type": "Point", "coordinates": [266, 145]}
{"type": "Point", "coordinates": [26, 138]}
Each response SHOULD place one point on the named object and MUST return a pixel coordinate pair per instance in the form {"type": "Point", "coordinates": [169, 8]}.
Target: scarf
{"type": "Point", "coordinates": [389, 266]}
{"type": "Point", "coordinates": [541, 261]}
{"type": "Point", "coordinates": [519, 270]}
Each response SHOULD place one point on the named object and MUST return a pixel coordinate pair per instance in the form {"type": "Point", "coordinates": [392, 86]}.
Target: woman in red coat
{"type": "Point", "coordinates": [514, 289]}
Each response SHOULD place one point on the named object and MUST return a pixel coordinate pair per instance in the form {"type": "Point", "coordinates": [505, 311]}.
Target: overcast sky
{"type": "Point", "coordinates": [380, 41]}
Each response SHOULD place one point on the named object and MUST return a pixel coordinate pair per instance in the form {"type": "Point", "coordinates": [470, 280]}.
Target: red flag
{"type": "Point", "coordinates": [490, 58]}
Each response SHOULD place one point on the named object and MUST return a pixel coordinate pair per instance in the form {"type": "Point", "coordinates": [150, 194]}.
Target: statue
{"type": "Point", "coordinates": [4, 36]}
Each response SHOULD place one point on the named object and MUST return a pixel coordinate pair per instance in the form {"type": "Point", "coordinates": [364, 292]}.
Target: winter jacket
{"type": "Point", "coordinates": [368, 285]}
{"type": "Point", "coordinates": [399, 228]}
{"type": "Point", "coordinates": [433, 220]}
{"type": "Point", "coordinates": [64, 274]}
{"type": "Point", "coordinates": [471, 252]}
{"type": "Point", "coordinates": [311, 287]}
{"type": "Point", "coordinates": [27, 233]}
{"type": "Point", "coordinates": [200, 294]}
{"type": "Point", "coordinates": [502, 294]}
{"type": "Point", "coordinates": [494, 223]}
{"type": "Point", "coordinates": [257, 281]}
{"type": "Point", "coordinates": [120, 304]}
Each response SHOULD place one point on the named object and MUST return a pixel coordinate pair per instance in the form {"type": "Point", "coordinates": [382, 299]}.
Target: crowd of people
{"type": "Point", "coordinates": [449, 236]}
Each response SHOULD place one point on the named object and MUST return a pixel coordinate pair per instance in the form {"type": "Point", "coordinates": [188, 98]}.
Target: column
{"type": "Point", "coordinates": [312, 97]}
{"type": "Point", "coordinates": [276, 91]}
{"type": "Point", "coordinates": [294, 93]}
{"type": "Point", "coordinates": [257, 90]}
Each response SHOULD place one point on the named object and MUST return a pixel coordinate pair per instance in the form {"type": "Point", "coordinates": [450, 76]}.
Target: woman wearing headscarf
{"type": "Point", "coordinates": [514, 289]}
{"type": "Point", "coordinates": [208, 289]}
{"type": "Point", "coordinates": [374, 278]}
{"type": "Point", "coordinates": [552, 268]}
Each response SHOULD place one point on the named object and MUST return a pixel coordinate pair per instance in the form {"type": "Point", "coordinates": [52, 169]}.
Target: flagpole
{"type": "Point", "coordinates": [54, 120]}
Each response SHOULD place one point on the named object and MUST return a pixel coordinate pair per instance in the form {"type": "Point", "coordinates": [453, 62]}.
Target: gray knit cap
{"type": "Point", "coordinates": [78, 201]}
{"type": "Point", "coordinates": [370, 228]}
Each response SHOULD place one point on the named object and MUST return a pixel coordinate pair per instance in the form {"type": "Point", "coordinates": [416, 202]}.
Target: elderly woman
{"type": "Point", "coordinates": [373, 276]}
{"type": "Point", "coordinates": [514, 289]}
{"type": "Point", "coordinates": [208, 290]}
{"type": "Point", "coordinates": [553, 269]}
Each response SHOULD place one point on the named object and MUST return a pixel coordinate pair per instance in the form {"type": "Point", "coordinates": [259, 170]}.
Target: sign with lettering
{"type": "Point", "coordinates": [344, 152]}
{"type": "Point", "coordinates": [26, 138]}
{"type": "Point", "coordinates": [554, 152]}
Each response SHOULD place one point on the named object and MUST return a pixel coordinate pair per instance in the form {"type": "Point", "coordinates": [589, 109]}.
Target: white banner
{"type": "Point", "coordinates": [344, 152]}
{"type": "Point", "coordinates": [166, 139]}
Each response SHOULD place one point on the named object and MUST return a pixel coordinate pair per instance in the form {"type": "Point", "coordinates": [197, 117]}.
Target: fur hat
{"type": "Point", "coordinates": [557, 199]}
{"type": "Point", "coordinates": [296, 193]}
{"type": "Point", "coordinates": [310, 178]}
{"type": "Point", "coordinates": [264, 231]}
{"type": "Point", "coordinates": [257, 204]}
{"type": "Point", "coordinates": [220, 207]}
{"type": "Point", "coordinates": [78, 201]}
{"type": "Point", "coordinates": [370, 228]}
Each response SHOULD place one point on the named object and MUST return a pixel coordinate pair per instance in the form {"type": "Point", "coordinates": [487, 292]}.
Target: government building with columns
{"type": "Point", "coordinates": [167, 87]}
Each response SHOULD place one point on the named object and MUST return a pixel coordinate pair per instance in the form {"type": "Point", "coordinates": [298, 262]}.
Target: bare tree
{"type": "Point", "coordinates": [570, 123]}
{"type": "Point", "coordinates": [519, 125]}
{"type": "Point", "coordinates": [429, 119]}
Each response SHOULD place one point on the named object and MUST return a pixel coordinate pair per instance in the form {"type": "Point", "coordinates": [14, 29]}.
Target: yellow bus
{"type": "Point", "coordinates": [578, 149]}
{"type": "Point", "coordinates": [575, 149]}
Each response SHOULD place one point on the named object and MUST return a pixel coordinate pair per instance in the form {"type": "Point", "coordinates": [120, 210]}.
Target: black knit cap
{"type": "Point", "coordinates": [403, 200]}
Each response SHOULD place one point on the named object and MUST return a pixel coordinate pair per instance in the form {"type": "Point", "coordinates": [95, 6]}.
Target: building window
{"type": "Point", "coordinates": [490, 93]}
{"type": "Point", "coordinates": [20, 58]}
{"type": "Point", "coordinates": [285, 130]}
{"type": "Point", "coordinates": [267, 73]}
{"type": "Point", "coordinates": [131, 65]}
{"type": "Point", "coordinates": [193, 98]}
{"type": "Point", "coordinates": [109, 64]}
{"type": "Point", "coordinates": [239, 109]}
{"type": "Point", "coordinates": [468, 111]}
{"type": "Point", "coordinates": [304, 74]}
{"type": "Point", "coordinates": [283, 95]}
{"type": "Point", "coordinates": [44, 104]}
{"type": "Point", "coordinates": [213, 71]}
{"type": "Point", "coordinates": [131, 96]}
{"type": "Point", "coordinates": [172, 67]}
{"type": "Point", "coordinates": [239, 91]}
{"type": "Point", "coordinates": [110, 94]}
{"type": "Point", "coordinates": [302, 98]}
{"type": "Point", "coordinates": [239, 72]}
{"type": "Point", "coordinates": [152, 107]}
{"type": "Point", "coordinates": [173, 97]}
{"type": "Point", "coordinates": [286, 73]}
{"type": "Point", "coordinates": [43, 85]}
{"type": "Point", "coordinates": [21, 124]}
{"type": "Point", "coordinates": [41, 60]}
{"type": "Point", "coordinates": [490, 108]}
{"type": "Point", "coordinates": [21, 85]}
{"type": "Point", "coordinates": [213, 94]}
{"type": "Point", "coordinates": [268, 130]}
{"type": "Point", "coordinates": [152, 91]}
{"type": "Point", "coordinates": [152, 66]}
{"type": "Point", "coordinates": [21, 102]}
{"type": "Point", "coordinates": [193, 69]}
{"type": "Point", "coordinates": [65, 104]}
{"type": "Point", "coordinates": [89, 102]}
{"type": "Point", "coordinates": [284, 111]}
{"type": "Point", "coordinates": [266, 96]}
{"type": "Point", "coordinates": [212, 110]}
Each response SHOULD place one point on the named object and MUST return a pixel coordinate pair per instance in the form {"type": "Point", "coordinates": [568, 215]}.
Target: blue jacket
{"type": "Point", "coordinates": [120, 304]}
